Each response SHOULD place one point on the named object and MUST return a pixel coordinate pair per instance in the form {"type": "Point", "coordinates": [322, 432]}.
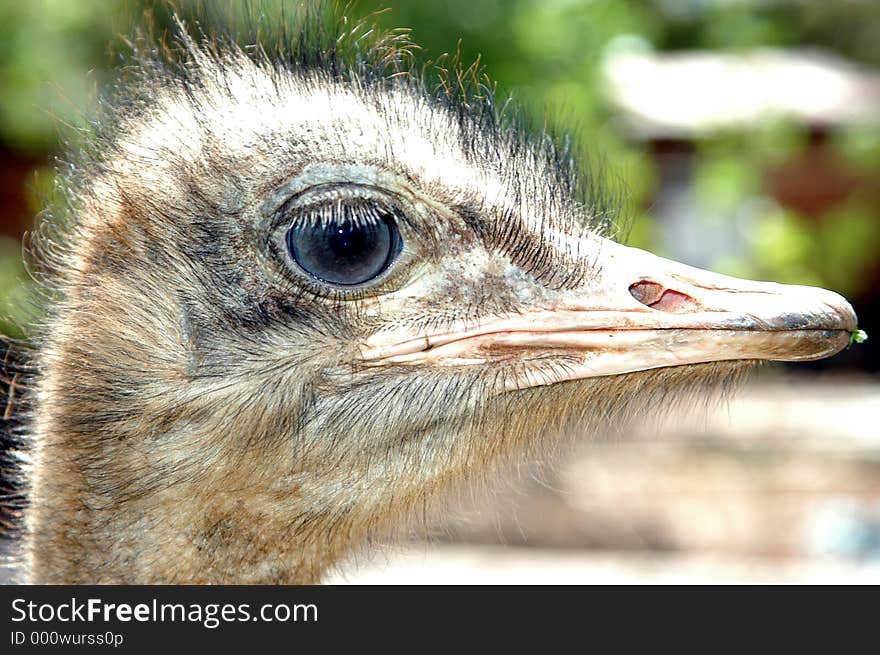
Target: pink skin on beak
{"type": "Point", "coordinates": [636, 312]}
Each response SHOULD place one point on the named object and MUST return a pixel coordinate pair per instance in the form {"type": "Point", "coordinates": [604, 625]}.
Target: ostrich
{"type": "Point", "coordinates": [296, 294]}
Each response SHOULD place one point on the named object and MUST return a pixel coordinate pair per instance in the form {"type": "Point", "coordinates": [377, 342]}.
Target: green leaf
{"type": "Point", "coordinates": [858, 336]}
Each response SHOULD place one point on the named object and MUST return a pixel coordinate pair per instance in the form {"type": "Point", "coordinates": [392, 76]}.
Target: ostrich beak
{"type": "Point", "coordinates": [638, 311]}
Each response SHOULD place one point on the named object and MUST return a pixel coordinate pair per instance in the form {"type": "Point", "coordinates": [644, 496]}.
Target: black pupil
{"type": "Point", "coordinates": [344, 253]}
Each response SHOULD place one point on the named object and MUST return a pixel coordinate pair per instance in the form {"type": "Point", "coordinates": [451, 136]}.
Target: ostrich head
{"type": "Point", "coordinates": [296, 296]}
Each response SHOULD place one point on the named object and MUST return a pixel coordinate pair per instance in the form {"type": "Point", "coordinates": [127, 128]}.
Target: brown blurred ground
{"type": "Point", "coordinates": [781, 484]}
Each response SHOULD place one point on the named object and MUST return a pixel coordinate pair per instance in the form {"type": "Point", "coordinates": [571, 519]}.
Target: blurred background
{"type": "Point", "coordinates": [747, 134]}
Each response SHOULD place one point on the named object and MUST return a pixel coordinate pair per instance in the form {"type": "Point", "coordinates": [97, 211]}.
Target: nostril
{"type": "Point", "coordinates": [675, 302]}
{"type": "Point", "coordinates": [646, 292]}
{"type": "Point", "coordinates": [657, 297]}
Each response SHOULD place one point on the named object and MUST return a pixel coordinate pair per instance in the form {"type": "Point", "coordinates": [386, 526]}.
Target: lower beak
{"type": "Point", "coordinates": [637, 312]}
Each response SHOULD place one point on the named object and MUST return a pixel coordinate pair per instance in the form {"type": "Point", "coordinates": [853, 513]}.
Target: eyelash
{"type": "Point", "coordinates": [361, 212]}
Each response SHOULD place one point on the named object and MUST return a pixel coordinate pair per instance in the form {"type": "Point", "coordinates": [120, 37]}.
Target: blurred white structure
{"type": "Point", "coordinates": [683, 94]}
{"type": "Point", "coordinates": [674, 99]}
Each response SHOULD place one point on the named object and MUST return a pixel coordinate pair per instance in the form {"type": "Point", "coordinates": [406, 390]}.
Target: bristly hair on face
{"type": "Point", "coordinates": [183, 48]}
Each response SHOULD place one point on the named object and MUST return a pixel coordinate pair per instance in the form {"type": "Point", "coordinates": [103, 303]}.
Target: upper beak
{"type": "Point", "coordinates": [639, 311]}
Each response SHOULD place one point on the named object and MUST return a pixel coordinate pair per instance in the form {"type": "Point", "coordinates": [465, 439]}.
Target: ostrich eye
{"type": "Point", "coordinates": [345, 251]}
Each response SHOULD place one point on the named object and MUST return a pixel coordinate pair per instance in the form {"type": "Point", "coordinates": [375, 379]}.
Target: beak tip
{"type": "Point", "coordinates": [845, 312]}
{"type": "Point", "coordinates": [828, 310]}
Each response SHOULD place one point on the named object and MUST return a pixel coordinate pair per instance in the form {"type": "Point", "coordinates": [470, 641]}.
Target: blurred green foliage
{"type": "Point", "coordinates": [547, 55]}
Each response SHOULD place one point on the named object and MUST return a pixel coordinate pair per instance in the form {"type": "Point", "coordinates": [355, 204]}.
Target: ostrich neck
{"type": "Point", "coordinates": [211, 530]}
{"type": "Point", "coordinates": [120, 497]}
